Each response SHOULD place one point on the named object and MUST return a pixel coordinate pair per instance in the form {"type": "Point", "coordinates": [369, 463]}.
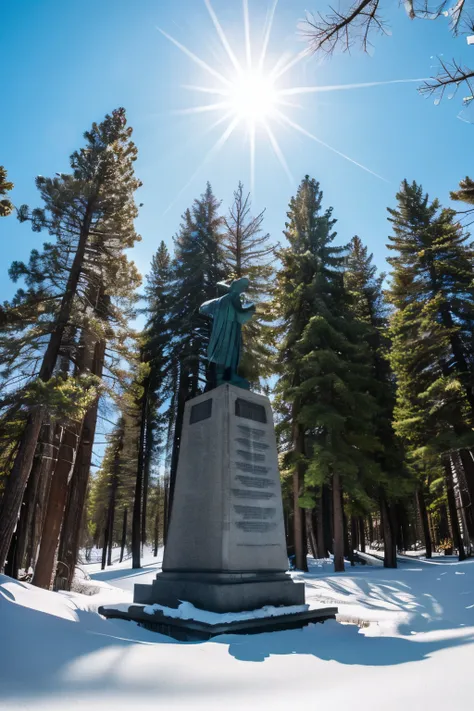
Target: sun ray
{"type": "Point", "coordinates": [246, 91]}
{"type": "Point", "coordinates": [278, 152]}
{"type": "Point", "coordinates": [209, 155]}
{"type": "Point", "coordinates": [266, 37]}
{"type": "Point", "coordinates": [306, 133]}
{"type": "Point", "coordinates": [195, 58]}
{"type": "Point", "coordinates": [276, 74]}
{"type": "Point", "coordinates": [202, 109]}
{"type": "Point", "coordinates": [252, 157]}
{"type": "Point", "coordinates": [222, 36]}
{"type": "Point", "coordinates": [248, 45]}
{"type": "Point", "coordinates": [343, 87]}
{"type": "Point", "coordinates": [206, 89]}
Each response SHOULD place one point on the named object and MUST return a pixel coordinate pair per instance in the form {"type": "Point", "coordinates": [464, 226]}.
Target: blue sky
{"type": "Point", "coordinates": [65, 65]}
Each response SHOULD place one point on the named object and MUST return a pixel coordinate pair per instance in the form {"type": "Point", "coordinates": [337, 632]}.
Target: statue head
{"type": "Point", "coordinates": [238, 286]}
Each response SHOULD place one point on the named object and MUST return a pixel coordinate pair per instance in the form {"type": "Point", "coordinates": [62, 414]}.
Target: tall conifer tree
{"type": "Point", "coordinates": [323, 393]}
{"type": "Point", "coordinates": [90, 212]}
{"type": "Point", "coordinates": [432, 291]}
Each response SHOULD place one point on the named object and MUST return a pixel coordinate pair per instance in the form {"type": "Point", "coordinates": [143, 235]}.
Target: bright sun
{"type": "Point", "coordinates": [249, 94]}
{"type": "Point", "coordinates": [253, 97]}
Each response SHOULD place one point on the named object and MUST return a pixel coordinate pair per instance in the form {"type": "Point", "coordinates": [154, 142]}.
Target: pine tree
{"type": "Point", "coordinates": [6, 206]}
{"type": "Point", "coordinates": [248, 252]}
{"type": "Point", "coordinates": [156, 346]}
{"type": "Point", "coordinates": [198, 266]}
{"type": "Point", "coordinates": [432, 328]}
{"type": "Point", "coordinates": [90, 212]}
{"type": "Point", "coordinates": [327, 411]}
{"type": "Point", "coordinates": [368, 305]}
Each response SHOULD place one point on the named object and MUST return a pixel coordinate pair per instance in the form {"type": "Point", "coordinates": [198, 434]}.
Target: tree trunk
{"type": "Point", "coordinates": [362, 534]}
{"type": "Point", "coordinates": [146, 473]}
{"type": "Point", "coordinates": [348, 552]}
{"type": "Point", "coordinates": [453, 512]}
{"type": "Point", "coordinates": [424, 520]}
{"type": "Point", "coordinates": [124, 535]}
{"type": "Point", "coordinates": [389, 538]}
{"type": "Point", "coordinates": [371, 529]}
{"type": "Point", "coordinates": [328, 519]}
{"type": "Point", "coordinates": [465, 474]}
{"type": "Point", "coordinates": [338, 523]}
{"type": "Point", "coordinates": [44, 568]}
{"type": "Point", "coordinates": [111, 531]}
{"type": "Point", "coordinates": [354, 536]}
{"type": "Point", "coordinates": [105, 546]}
{"type": "Point", "coordinates": [18, 478]}
{"type": "Point", "coordinates": [17, 553]}
{"type": "Point", "coordinates": [77, 493]}
{"type": "Point", "coordinates": [310, 533]}
{"type": "Point", "coordinates": [182, 397]}
{"type": "Point", "coordinates": [42, 497]}
{"type": "Point", "coordinates": [298, 483]}
{"type": "Point", "coordinates": [322, 552]}
{"type": "Point", "coordinates": [137, 503]}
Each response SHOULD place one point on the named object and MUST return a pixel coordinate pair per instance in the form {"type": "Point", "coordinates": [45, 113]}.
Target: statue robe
{"type": "Point", "coordinates": [228, 315]}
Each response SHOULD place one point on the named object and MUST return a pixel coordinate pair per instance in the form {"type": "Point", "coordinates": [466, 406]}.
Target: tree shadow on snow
{"type": "Point", "coordinates": [337, 642]}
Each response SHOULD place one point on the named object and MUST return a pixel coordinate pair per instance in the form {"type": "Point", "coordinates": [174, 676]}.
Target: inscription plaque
{"type": "Point", "coordinates": [250, 410]}
{"type": "Point", "coordinates": [256, 526]}
{"type": "Point", "coordinates": [254, 512]}
{"type": "Point", "coordinates": [253, 456]}
{"type": "Point", "coordinates": [257, 482]}
{"type": "Point", "coordinates": [251, 431]}
{"type": "Point", "coordinates": [251, 468]}
{"type": "Point", "coordinates": [251, 444]}
{"type": "Point", "coordinates": [201, 412]}
{"type": "Point", "coordinates": [252, 494]}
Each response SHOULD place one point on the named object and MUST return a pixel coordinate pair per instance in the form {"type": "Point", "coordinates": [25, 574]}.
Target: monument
{"type": "Point", "coordinates": [226, 549]}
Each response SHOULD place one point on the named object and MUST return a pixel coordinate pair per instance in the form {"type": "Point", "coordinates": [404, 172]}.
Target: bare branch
{"type": "Point", "coordinates": [338, 30]}
{"type": "Point", "coordinates": [451, 75]}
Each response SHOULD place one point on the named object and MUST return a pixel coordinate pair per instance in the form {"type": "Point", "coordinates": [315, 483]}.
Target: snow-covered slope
{"type": "Point", "coordinates": [415, 649]}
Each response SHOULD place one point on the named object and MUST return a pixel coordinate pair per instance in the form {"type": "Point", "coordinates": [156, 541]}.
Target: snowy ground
{"type": "Point", "coordinates": [409, 645]}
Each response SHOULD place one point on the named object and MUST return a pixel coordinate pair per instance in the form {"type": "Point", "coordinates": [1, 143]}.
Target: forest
{"type": "Point", "coordinates": [370, 374]}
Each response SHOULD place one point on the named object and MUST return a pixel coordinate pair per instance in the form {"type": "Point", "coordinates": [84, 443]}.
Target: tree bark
{"type": "Point", "coordinates": [137, 503]}
{"type": "Point", "coordinates": [371, 529]}
{"type": "Point", "coordinates": [298, 483]}
{"type": "Point", "coordinates": [465, 474]}
{"type": "Point", "coordinates": [77, 493]}
{"type": "Point", "coordinates": [389, 538]}
{"type": "Point", "coordinates": [362, 534]}
{"type": "Point", "coordinates": [424, 521]}
{"type": "Point", "coordinates": [105, 546]}
{"type": "Point", "coordinates": [182, 397]}
{"type": "Point", "coordinates": [310, 533]}
{"type": "Point", "coordinates": [18, 478]}
{"type": "Point", "coordinates": [146, 473]}
{"type": "Point", "coordinates": [322, 552]}
{"type": "Point", "coordinates": [328, 519]}
{"type": "Point", "coordinates": [124, 535]}
{"type": "Point", "coordinates": [42, 497]}
{"type": "Point", "coordinates": [354, 536]}
{"type": "Point", "coordinates": [44, 568]}
{"type": "Point", "coordinates": [338, 523]}
{"type": "Point", "coordinates": [453, 512]}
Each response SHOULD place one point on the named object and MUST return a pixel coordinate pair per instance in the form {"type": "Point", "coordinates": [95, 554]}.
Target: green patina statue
{"type": "Point", "coordinates": [228, 313]}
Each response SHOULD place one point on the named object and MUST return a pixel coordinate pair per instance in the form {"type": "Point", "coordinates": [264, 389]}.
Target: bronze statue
{"type": "Point", "coordinates": [228, 313]}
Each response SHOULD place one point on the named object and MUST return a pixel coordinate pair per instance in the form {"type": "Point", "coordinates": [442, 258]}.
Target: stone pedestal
{"type": "Point", "coordinates": [226, 548]}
